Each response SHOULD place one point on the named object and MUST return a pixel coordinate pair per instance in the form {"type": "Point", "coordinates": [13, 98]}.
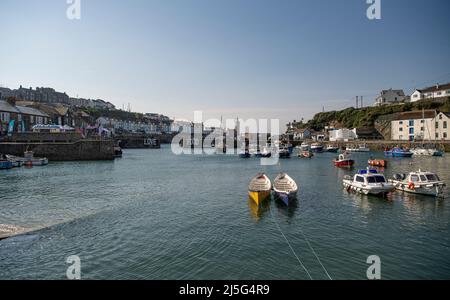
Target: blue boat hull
{"type": "Point", "coordinates": [398, 154]}
{"type": "Point", "coordinates": [284, 197]}
{"type": "Point", "coordinates": [6, 165]}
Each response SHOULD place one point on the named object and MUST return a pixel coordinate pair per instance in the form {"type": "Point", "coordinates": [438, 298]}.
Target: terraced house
{"type": "Point", "coordinates": [24, 118]}
{"type": "Point", "coordinates": [428, 125]}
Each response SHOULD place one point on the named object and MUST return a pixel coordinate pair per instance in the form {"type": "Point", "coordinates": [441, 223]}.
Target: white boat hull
{"type": "Point", "coordinates": [376, 189]}
{"type": "Point", "coordinates": [434, 190]}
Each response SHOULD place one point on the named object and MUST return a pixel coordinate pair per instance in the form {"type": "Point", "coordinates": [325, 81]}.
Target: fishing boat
{"type": "Point", "coordinates": [423, 183]}
{"type": "Point", "coordinates": [317, 148]}
{"type": "Point", "coordinates": [16, 163]}
{"type": "Point", "coordinates": [343, 161]}
{"type": "Point", "coordinates": [306, 154]}
{"type": "Point", "coordinates": [332, 149]}
{"type": "Point", "coordinates": [259, 188]}
{"type": "Point", "coordinates": [305, 147]}
{"type": "Point", "coordinates": [359, 148]}
{"type": "Point", "coordinates": [381, 163]}
{"type": "Point", "coordinates": [284, 153]}
{"type": "Point", "coordinates": [368, 182]}
{"type": "Point", "coordinates": [29, 159]}
{"type": "Point", "coordinates": [398, 152]}
{"type": "Point", "coordinates": [422, 151]}
{"type": "Point", "coordinates": [285, 188]}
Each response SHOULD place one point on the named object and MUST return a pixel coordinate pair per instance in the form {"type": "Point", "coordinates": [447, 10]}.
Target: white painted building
{"type": "Point", "coordinates": [390, 96]}
{"type": "Point", "coordinates": [428, 125]}
{"type": "Point", "coordinates": [436, 91]}
{"type": "Point", "coordinates": [342, 135]}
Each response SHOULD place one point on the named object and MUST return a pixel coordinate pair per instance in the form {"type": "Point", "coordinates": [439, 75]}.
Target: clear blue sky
{"type": "Point", "coordinates": [253, 58]}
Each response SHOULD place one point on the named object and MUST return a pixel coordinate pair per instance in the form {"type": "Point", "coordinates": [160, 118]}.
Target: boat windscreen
{"type": "Point", "coordinates": [380, 179]}
{"type": "Point", "coordinates": [432, 177]}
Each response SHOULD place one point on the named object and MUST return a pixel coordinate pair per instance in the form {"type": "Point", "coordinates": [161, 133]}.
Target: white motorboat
{"type": "Point", "coordinates": [285, 188]}
{"type": "Point", "coordinates": [423, 183]}
{"type": "Point", "coordinates": [359, 148]}
{"type": "Point", "coordinates": [426, 152]}
{"type": "Point", "coordinates": [29, 159]}
{"type": "Point", "coordinates": [368, 182]}
{"type": "Point", "coordinates": [305, 147]}
{"type": "Point", "coordinates": [317, 148]}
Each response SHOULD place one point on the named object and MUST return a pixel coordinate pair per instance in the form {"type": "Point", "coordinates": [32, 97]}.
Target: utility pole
{"type": "Point", "coordinates": [357, 101]}
{"type": "Point", "coordinates": [362, 102]}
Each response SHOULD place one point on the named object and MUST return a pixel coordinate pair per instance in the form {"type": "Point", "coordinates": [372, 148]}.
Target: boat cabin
{"type": "Point", "coordinates": [423, 177]}
{"type": "Point", "coordinates": [369, 176]}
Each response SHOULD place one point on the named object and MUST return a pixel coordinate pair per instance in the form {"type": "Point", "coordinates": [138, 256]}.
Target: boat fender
{"type": "Point", "coordinates": [411, 186]}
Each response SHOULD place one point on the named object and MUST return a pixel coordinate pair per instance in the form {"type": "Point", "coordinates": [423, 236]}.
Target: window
{"type": "Point", "coordinates": [400, 129]}
{"type": "Point", "coordinates": [432, 177]}
{"type": "Point", "coordinates": [423, 178]}
{"type": "Point", "coordinates": [400, 123]}
{"type": "Point", "coordinates": [414, 178]}
{"type": "Point", "coordinates": [437, 125]}
{"type": "Point", "coordinates": [411, 123]}
{"type": "Point", "coordinates": [422, 121]}
{"type": "Point", "coordinates": [437, 135]}
{"type": "Point", "coordinates": [371, 179]}
{"type": "Point", "coordinates": [422, 128]}
{"type": "Point", "coordinates": [31, 119]}
{"type": "Point", "coordinates": [445, 124]}
{"type": "Point", "coordinates": [359, 179]}
{"type": "Point", "coordinates": [440, 117]}
{"type": "Point", "coordinates": [439, 93]}
{"type": "Point", "coordinates": [445, 135]}
{"type": "Point", "coordinates": [411, 130]}
{"type": "Point", "coordinates": [380, 179]}
{"type": "Point", "coordinates": [448, 92]}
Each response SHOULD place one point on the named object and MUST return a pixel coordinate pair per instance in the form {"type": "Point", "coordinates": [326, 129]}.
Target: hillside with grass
{"type": "Point", "coordinates": [367, 117]}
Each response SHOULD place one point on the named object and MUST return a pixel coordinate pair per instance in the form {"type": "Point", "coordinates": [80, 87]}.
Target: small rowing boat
{"type": "Point", "coordinates": [259, 188]}
{"type": "Point", "coordinates": [285, 188]}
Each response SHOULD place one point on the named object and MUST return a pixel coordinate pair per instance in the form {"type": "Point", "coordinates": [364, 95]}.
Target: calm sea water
{"type": "Point", "coordinates": [153, 215]}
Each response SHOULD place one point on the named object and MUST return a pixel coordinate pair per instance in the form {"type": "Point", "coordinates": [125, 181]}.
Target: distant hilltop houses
{"type": "Point", "coordinates": [391, 96]}
{"type": "Point", "coordinates": [49, 95]}
{"type": "Point", "coordinates": [25, 109]}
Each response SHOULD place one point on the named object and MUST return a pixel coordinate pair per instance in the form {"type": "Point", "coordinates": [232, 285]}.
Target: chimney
{"type": "Point", "coordinates": [437, 86]}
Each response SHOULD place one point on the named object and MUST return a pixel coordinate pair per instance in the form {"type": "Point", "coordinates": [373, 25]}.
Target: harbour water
{"type": "Point", "coordinates": [154, 215]}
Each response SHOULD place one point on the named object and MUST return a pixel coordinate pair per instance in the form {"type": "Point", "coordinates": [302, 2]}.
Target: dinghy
{"type": "Point", "coordinates": [285, 188]}
{"type": "Point", "coordinates": [259, 188]}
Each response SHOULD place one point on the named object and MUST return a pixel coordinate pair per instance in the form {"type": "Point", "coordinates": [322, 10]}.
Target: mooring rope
{"type": "Point", "coordinates": [315, 254]}
{"type": "Point", "coordinates": [289, 244]}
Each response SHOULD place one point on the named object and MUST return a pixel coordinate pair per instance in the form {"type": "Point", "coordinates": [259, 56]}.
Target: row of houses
{"type": "Point", "coordinates": [427, 125]}
{"type": "Point", "coordinates": [391, 96]}
{"type": "Point", "coordinates": [50, 96]}
{"type": "Point", "coordinates": [154, 124]}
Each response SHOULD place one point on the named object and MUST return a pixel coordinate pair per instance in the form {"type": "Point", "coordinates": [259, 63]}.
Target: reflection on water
{"type": "Point", "coordinates": [287, 210]}
{"type": "Point", "coordinates": [258, 211]}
